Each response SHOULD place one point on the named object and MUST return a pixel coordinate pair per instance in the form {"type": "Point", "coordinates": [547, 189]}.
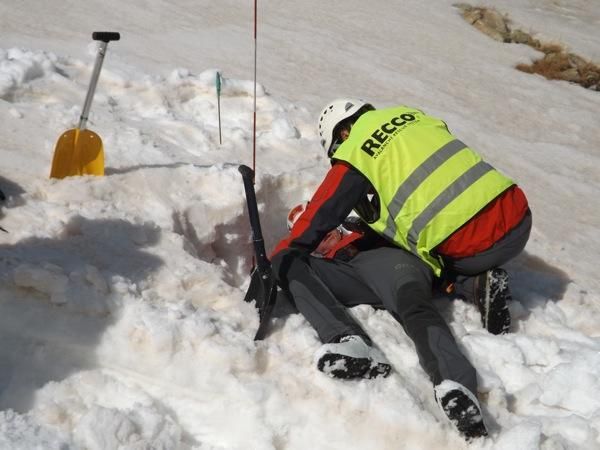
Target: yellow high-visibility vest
{"type": "Point", "coordinates": [428, 182]}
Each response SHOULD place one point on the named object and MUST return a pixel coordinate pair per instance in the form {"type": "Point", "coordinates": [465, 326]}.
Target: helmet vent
{"type": "Point", "coordinates": [348, 106]}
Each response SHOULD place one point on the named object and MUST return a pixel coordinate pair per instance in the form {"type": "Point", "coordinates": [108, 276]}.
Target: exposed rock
{"type": "Point", "coordinates": [569, 75]}
{"type": "Point", "coordinates": [520, 37]}
{"type": "Point", "coordinates": [558, 60]}
{"type": "Point", "coordinates": [472, 15]}
{"type": "Point", "coordinates": [495, 21]}
{"type": "Point", "coordinates": [556, 63]}
{"type": "Point", "coordinates": [485, 29]}
{"type": "Point", "coordinates": [577, 61]}
{"type": "Point", "coordinates": [590, 79]}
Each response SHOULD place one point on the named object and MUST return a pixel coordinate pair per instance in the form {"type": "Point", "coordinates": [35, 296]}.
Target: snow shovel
{"type": "Point", "coordinates": [263, 288]}
{"type": "Point", "coordinates": [79, 151]}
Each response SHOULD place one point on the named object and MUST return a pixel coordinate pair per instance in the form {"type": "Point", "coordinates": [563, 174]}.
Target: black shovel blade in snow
{"type": "Point", "coordinates": [262, 291]}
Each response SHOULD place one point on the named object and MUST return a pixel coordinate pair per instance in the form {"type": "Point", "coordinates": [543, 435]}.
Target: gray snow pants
{"type": "Point", "coordinates": [385, 277]}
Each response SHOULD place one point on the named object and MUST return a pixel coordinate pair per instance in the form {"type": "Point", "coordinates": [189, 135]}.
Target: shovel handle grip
{"type": "Point", "coordinates": [106, 36]}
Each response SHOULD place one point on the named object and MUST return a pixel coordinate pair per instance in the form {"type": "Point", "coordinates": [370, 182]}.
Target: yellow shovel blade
{"type": "Point", "coordinates": [78, 152]}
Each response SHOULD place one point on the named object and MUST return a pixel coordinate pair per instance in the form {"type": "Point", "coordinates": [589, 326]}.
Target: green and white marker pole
{"type": "Point", "coordinates": [218, 84]}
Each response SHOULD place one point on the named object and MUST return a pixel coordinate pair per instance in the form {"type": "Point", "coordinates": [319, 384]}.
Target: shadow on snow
{"type": "Point", "coordinates": [42, 340]}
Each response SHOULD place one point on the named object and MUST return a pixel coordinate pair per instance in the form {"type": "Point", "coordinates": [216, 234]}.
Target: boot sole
{"type": "Point", "coordinates": [464, 415]}
{"type": "Point", "coordinates": [497, 310]}
{"type": "Point", "coordinates": [343, 366]}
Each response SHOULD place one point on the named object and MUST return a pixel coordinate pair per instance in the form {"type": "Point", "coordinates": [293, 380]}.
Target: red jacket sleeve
{"type": "Point", "coordinates": [338, 194]}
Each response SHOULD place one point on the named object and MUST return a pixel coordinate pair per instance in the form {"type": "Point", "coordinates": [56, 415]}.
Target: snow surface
{"type": "Point", "coordinates": [122, 324]}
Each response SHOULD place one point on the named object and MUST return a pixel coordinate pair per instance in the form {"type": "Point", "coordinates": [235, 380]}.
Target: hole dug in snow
{"type": "Point", "coordinates": [222, 244]}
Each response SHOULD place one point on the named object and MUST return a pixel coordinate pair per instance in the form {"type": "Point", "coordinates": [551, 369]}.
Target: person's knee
{"type": "Point", "coordinates": [286, 262]}
{"type": "Point", "coordinates": [412, 286]}
{"type": "Point", "coordinates": [413, 303]}
{"type": "Point", "coordinates": [414, 279]}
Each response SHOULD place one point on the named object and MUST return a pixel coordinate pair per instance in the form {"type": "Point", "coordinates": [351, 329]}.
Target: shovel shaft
{"type": "Point", "coordinates": [104, 38]}
{"type": "Point", "coordinates": [257, 238]}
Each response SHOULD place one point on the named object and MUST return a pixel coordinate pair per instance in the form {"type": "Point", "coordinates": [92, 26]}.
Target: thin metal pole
{"type": "Point", "coordinates": [218, 83]}
{"type": "Point", "coordinates": [93, 83]}
{"type": "Point", "coordinates": [254, 112]}
{"type": "Point", "coordinates": [219, 112]}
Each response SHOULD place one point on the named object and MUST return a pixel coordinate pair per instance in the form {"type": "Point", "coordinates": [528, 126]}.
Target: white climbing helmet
{"type": "Point", "coordinates": [334, 113]}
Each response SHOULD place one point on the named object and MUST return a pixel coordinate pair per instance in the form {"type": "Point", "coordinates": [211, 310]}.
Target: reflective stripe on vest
{"type": "Point", "coordinates": [444, 199]}
{"type": "Point", "coordinates": [416, 178]}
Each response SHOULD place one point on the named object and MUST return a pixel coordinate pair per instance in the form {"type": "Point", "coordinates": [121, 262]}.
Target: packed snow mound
{"type": "Point", "coordinates": [19, 67]}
